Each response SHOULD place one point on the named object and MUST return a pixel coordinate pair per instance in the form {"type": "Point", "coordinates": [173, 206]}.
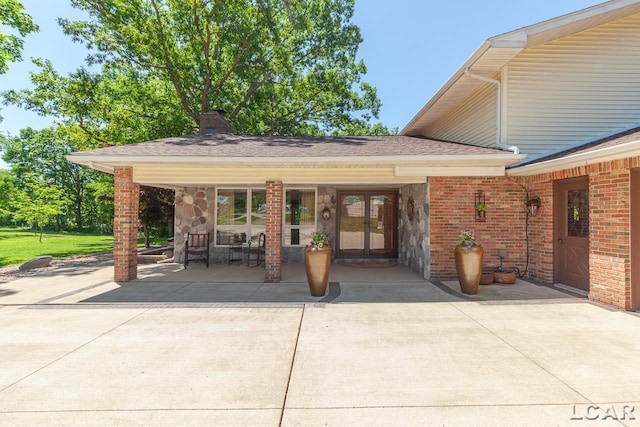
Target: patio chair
{"type": "Point", "coordinates": [196, 248]}
{"type": "Point", "coordinates": [257, 252]}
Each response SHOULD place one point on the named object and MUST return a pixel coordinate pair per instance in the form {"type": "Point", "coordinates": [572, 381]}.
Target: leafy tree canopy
{"type": "Point", "coordinates": [13, 18]}
{"type": "Point", "coordinates": [277, 67]}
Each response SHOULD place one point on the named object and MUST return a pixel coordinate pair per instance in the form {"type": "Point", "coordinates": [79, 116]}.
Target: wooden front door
{"type": "Point", "coordinates": [367, 224]}
{"type": "Point", "coordinates": [571, 232]}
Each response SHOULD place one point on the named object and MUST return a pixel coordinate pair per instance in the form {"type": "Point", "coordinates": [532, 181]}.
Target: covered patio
{"type": "Point", "coordinates": [232, 285]}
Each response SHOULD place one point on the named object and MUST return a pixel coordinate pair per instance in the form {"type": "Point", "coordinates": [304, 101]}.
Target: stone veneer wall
{"type": "Point", "coordinates": [415, 241]}
{"type": "Point", "coordinates": [194, 213]}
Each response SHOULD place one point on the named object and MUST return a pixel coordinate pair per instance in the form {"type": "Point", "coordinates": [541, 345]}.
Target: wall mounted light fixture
{"type": "Point", "coordinates": [533, 204]}
{"type": "Point", "coordinates": [480, 206]}
{"type": "Point", "coordinates": [326, 213]}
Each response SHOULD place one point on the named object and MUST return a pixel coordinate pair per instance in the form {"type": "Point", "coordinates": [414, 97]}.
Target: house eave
{"type": "Point", "coordinates": [109, 162]}
{"type": "Point", "coordinates": [176, 171]}
{"type": "Point", "coordinates": [622, 151]}
{"type": "Point", "coordinates": [493, 54]}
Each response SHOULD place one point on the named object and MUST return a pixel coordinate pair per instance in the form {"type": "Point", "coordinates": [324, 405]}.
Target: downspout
{"type": "Point", "coordinates": [499, 142]}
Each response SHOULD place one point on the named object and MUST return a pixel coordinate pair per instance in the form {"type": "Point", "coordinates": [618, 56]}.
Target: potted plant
{"type": "Point", "coordinates": [317, 262]}
{"type": "Point", "coordinates": [505, 276]}
{"type": "Point", "coordinates": [468, 256]}
{"type": "Point", "coordinates": [481, 209]}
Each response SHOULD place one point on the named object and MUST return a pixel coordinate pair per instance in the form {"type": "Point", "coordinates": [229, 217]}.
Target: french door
{"type": "Point", "coordinates": [367, 224]}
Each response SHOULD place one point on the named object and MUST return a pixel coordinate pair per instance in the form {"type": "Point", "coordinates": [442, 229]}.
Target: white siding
{"type": "Point", "coordinates": [472, 122]}
{"type": "Point", "coordinates": [575, 88]}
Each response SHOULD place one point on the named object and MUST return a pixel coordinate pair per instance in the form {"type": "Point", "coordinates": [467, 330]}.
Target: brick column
{"type": "Point", "coordinates": [273, 255]}
{"type": "Point", "coordinates": [125, 225]}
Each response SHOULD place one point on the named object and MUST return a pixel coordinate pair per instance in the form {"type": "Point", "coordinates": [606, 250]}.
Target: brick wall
{"type": "Point", "coordinates": [452, 209]}
{"type": "Point", "coordinates": [610, 244]}
{"type": "Point", "coordinates": [273, 255]}
{"type": "Point", "coordinates": [609, 225]}
{"type": "Point", "coordinates": [125, 225]}
{"type": "Point", "coordinates": [541, 229]}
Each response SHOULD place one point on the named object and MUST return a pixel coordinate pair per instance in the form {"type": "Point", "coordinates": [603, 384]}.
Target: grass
{"type": "Point", "coordinates": [18, 245]}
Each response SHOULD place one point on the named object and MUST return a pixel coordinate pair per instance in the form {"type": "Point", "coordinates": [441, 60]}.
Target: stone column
{"type": "Point", "coordinates": [273, 255]}
{"type": "Point", "coordinates": [125, 225]}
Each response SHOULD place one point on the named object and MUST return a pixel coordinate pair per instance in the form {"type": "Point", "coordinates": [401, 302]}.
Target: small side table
{"type": "Point", "coordinates": [236, 253]}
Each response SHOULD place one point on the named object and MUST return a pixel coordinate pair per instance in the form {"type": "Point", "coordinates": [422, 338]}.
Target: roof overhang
{"type": "Point", "coordinates": [180, 171]}
{"type": "Point", "coordinates": [621, 151]}
{"type": "Point", "coordinates": [497, 51]}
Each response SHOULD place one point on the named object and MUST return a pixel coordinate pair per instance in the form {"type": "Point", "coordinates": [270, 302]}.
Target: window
{"type": "Point", "coordinates": [240, 213]}
{"type": "Point", "coordinates": [299, 216]}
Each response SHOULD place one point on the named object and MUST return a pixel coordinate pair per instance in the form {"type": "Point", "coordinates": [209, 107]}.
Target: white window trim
{"type": "Point", "coordinates": [249, 190]}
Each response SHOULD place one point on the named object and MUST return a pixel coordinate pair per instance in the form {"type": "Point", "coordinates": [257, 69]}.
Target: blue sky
{"type": "Point", "coordinates": [411, 47]}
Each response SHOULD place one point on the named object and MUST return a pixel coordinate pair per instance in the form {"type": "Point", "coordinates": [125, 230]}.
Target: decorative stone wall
{"type": "Point", "coordinates": [415, 242]}
{"type": "Point", "coordinates": [194, 213]}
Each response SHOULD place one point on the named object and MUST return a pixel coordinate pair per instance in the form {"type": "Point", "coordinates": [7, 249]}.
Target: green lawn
{"type": "Point", "coordinates": [18, 245]}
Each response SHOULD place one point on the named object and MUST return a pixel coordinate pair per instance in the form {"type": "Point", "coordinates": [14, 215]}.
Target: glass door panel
{"type": "Point", "coordinates": [367, 225]}
{"type": "Point", "coordinates": [352, 224]}
{"type": "Point", "coordinates": [382, 224]}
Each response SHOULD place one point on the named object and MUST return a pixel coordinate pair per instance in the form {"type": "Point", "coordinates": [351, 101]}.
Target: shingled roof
{"type": "Point", "coordinates": [230, 145]}
{"type": "Point", "coordinates": [619, 145]}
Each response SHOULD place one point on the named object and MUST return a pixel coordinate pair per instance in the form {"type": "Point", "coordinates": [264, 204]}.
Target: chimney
{"type": "Point", "coordinates": [214, 122]}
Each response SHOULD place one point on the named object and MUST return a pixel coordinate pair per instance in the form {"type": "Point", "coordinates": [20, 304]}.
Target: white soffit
{"type": "Point", "coordinates": [622, 151]}
{"type": "Point", "coordinates": [497, 51]}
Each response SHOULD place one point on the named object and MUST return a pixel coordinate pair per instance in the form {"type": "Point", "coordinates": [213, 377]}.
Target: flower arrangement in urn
{"type": "Point", "coordinates": [467, 238]}
{"type": "Point", "coordinates": [317, 262]}
{"type": "Point", "coordinates": [468, 256]}
{"type": "Point", "coordinates": [319, 240]}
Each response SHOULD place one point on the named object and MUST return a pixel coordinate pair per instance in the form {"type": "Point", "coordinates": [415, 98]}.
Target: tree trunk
{"type": "Point", "coordinates": [146, 229]}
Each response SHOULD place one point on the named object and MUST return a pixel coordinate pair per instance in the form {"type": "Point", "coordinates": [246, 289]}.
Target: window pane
{"type": "Point", "coordinates": [300, 207]}
{"type": "Point", "coordinates": [578, 213]}
{"type": "Point", "coordinates": [258, 207]}
{"type": "Point", "coordinates": [232, 207]}
{"type": "Point", "coordinates": [300, 216]}
{"type": "Point", "coordinates": [297, 235]}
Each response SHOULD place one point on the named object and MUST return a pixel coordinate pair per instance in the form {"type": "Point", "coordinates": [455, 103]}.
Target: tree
{"type": "Point", "coordinates": [276, 67]}
{"type": "Point", "coordinates": [39, 203]}
{"type": "Point", "coordinates": [42, 154]}
{"type": "Point", "coordinates": [12, 16]}
{"type": "Point", "coordinates": [7, 195]}
{"type": "Point", "coordinates": [156, 206]}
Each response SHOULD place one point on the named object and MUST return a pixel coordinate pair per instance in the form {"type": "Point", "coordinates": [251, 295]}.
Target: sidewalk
{"type": "Point", "coordinates": [362, 360]}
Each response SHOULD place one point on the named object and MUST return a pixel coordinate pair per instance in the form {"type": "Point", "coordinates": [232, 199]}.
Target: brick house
{"type": "Point", "coordinates": [540, 126]}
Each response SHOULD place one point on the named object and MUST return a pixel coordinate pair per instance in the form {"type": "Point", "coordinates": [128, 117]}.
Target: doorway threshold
{"type": "Point", "coordinates": [571, 289]}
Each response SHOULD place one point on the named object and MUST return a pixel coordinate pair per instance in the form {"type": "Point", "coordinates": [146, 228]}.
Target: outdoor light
{"type": "Point", "coordinates": [480, 206]}
{"type": "Point", "coordinates": [533, 205]}
{"type": "Point", "coordinates": [326, 213]}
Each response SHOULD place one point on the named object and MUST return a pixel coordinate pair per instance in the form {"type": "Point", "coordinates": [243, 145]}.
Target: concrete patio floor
{"type": "Point", "coordinates": [201, 347]}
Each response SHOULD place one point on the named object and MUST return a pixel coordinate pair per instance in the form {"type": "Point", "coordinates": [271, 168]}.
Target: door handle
{"type": "Point", "coordinates": [560, 241]}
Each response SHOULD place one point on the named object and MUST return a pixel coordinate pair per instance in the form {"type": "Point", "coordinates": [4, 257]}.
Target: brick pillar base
{"type": "Point", "coordinates": [273, 250]}
{"type": "Point", "coordinates": [125, 225]}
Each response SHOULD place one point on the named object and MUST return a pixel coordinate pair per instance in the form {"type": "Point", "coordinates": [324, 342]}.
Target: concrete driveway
{"type": "Point", "coordinates": [78, 349]}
